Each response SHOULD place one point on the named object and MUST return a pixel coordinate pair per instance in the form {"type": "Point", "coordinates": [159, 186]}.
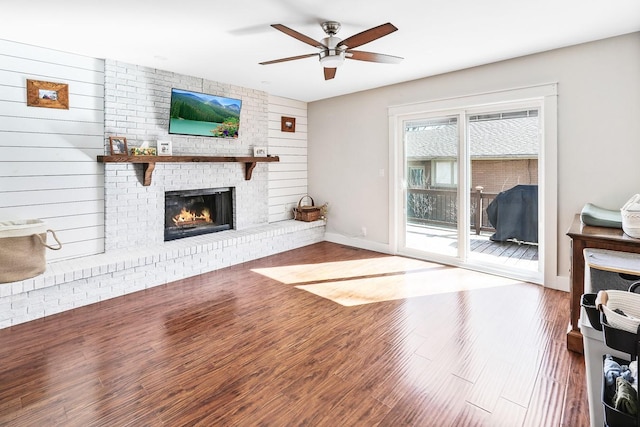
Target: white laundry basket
{"type": "Point", "coordinates": [22, 249]}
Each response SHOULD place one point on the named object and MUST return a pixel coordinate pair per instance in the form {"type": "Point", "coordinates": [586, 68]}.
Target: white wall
{"type": "Point", "coordinates": [48, 170]}
{"type": "Point", "coordinates": [48, 166]}
{"type": "Point", "coordinates": [287, 178]}
{"type": "Point", "coordinates": [598, 135]}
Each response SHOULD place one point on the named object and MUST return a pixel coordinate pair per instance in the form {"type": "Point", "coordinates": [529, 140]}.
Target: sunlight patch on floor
{"type": "Point", "coordinates": [387, 288]}
{"type": "Point", "coordinates": [306, 273]}
{"type": "Point", "coordinates": [367, 281]}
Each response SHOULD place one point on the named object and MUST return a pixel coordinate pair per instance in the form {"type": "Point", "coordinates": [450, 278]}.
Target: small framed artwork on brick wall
{"type": "Point", "coordinates": [288, 124]}
{"type": "Point", "coordinates": [118, 145]}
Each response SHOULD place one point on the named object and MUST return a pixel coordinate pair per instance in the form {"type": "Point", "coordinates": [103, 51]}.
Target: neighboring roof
{"type": "Point", "coordinates": [490, 139]}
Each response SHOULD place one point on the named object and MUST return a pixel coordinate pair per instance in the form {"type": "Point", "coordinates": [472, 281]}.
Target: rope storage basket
{"type": "Point", "coordinates": [621, 308]}
{"type": "Point", "coordinates": [22, 249]}
{"type": "Point", "coordinates": [307, 213]}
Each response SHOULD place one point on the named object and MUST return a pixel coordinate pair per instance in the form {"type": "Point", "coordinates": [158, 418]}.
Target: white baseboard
{"type": "Point", "coordinates": [561, 283]}
{"type": "Point", "coordinates": [357, 242]}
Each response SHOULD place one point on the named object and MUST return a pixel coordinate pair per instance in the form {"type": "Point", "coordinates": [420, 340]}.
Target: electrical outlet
{"type": "Point", "coordinates": [364, 231]}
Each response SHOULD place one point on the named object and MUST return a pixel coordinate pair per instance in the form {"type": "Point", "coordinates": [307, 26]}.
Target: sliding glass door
{"type": "Point", "coordinates": [504, 150]}
{"type": "Point", "coordinates": [470, 187]}
{"type": "Point", "coordinates": [431, 177]}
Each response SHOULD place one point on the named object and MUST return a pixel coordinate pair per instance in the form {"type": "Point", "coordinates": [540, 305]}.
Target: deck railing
{"type": "Point", "coordinates": [439, 207]}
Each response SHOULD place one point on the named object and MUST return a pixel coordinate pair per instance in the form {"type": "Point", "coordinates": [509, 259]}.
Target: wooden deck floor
{"type": "Point", "coordinates": [512, 254]}
{"type": "Point", "coordinates": [248, 346]}
{"type": "Point", "coordinates": [505, 252]}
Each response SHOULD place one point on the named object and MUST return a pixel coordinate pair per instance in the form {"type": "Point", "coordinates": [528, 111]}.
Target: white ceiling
{"type": "Point", "coordinates": [225, 41]}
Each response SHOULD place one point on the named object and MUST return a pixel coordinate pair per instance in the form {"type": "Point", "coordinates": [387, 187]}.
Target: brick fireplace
{"type": "Point", "coordinates": [137, 257]}
{"type": "Point", "coordinates": [133, 255]}
{"type": "Point", "coordinates": [135, 215]}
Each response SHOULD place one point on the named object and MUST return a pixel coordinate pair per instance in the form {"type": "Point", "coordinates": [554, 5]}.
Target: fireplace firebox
{"type": "Point", "coordinates": [194, 212]}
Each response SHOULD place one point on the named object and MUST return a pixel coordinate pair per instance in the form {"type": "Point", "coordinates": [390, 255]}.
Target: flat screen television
{"type": "Point", "coordinates": [194, 113]}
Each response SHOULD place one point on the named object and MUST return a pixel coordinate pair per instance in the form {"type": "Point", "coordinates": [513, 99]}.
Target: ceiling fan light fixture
{"type": "Point", "coordinates": [333, 50]}
{"type": "Point", "coordinates": [332, 58]}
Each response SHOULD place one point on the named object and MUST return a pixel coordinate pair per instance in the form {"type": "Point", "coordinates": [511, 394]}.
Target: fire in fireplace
{"type": "Point", "coordinates": [194, 212]}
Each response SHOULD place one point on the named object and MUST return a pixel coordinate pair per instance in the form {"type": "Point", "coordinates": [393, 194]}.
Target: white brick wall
{"type": "Point", "coordinates": [134, 214]}
{"type": "Point", "coordinates": [137, 101]}
{"type": "Point", "coordinates": [83, 281]}
{"type": "Point", "coordinates": [136, 256]}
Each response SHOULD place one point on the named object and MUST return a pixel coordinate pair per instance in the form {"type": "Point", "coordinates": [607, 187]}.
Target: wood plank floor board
{"type": "Point", "coordinates": [472, 416]}
{"type": "Point", "coordinates": [545, 407]}
{"type": "Point", "coordinates": [243, 346]}
{"type": "Point", "coordinates": [575, 409]}
{"type": "Point", "coordinates": [388, 378]}
{"type": "Point", "coordinates": [440, 405]}
{"type": "Point", "coordinates": [553, 365]}
{"type": "Point", "coordinates": [508, 414]}
{"type": "Point", "coordinates": [522, 377]}
{"type": "Point", "coordinates": [278, 410]}
{"type": "Point", "coordinates": [369, 411]}
{"type": "Point", "coordinates": [487, 389]}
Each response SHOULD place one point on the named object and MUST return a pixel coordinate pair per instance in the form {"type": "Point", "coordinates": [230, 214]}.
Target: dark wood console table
{"type": "Point", "coordinates": [149, 162]}
{"type": "Point", "coordinates": [582, 237]}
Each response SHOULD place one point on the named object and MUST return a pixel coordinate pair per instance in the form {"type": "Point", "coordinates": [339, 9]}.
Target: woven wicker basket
{"type": "Point", "coordinates": [307, 213]}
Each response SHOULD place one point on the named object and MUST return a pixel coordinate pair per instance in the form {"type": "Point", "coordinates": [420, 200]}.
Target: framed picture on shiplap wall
{"type": "Point", "coordinates": [60, 143]}
{"type": "Point", "coordinates": [47, 94]}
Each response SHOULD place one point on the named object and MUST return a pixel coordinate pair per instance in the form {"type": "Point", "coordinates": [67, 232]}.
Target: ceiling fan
{"type": "Point", "coordinates": [333, 50]}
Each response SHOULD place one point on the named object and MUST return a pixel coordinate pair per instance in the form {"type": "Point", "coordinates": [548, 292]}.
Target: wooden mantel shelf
{"type": "Point", "coordinates": [149, 162]}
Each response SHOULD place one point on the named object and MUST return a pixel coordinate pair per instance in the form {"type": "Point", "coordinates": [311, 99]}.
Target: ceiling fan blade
{"type": "Point", "coordinates": [291, 58]}
{"type": "Point", "coordinates": [368, 35]}
{"type": "Point", "coordinates": [329, 73]}
{"type": "Point", "coordinates": [296, 35]}
{"type": "Point", "coordinates": [372, 57]}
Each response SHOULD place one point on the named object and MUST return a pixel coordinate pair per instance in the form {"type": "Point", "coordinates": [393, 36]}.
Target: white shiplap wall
{"type": "Point", "coordinates": [287, 178]}
{"type": "Point", "coordinates": [48, 167]}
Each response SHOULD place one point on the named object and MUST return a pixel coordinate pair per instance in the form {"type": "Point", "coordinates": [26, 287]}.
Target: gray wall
{"type": "Point", "coordinates": [598, 135]}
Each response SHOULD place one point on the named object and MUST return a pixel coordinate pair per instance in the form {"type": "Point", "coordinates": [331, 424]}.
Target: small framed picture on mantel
{"type": "Point", "coordinates": [118, 145]}
{"type": "Point", "coordinates": [165, 148]}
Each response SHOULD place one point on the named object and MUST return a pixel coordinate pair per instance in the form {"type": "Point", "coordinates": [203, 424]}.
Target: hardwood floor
{"type": "Point", "coordinates": [238, 348]}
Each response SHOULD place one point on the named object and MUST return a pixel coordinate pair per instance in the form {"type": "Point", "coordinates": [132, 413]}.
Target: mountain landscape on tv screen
{"type": "Point", "coordinates": [200, 114]}
{"type": "Point", "coordinates": [202, 108]}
